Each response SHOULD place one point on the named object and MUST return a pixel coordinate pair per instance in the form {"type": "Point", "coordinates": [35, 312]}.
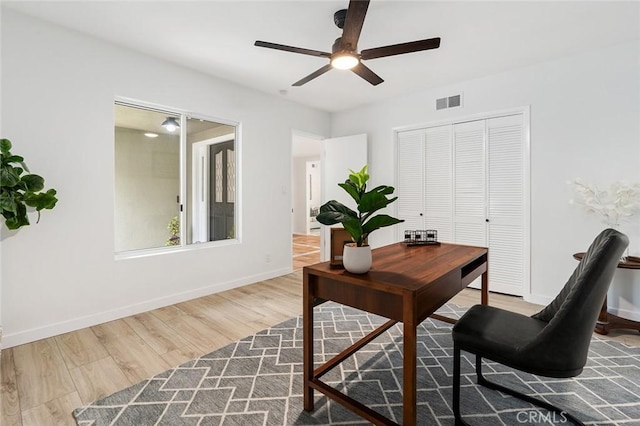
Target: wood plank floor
{"type": "Point", "coordinates": [306, 250]}
{"type": "Point", "coordinates": [43, 381]}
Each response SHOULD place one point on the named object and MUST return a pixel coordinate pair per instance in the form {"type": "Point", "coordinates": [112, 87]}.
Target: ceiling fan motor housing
{"type": "Point", "coordinates": [339, 17]}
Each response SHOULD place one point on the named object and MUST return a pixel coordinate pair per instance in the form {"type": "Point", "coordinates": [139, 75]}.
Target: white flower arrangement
{"type": "Point", "coordinates": [617, 204]}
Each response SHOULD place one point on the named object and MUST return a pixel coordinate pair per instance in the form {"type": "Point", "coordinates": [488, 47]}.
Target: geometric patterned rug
{"type": "Point", "coordinates": [258, 381]}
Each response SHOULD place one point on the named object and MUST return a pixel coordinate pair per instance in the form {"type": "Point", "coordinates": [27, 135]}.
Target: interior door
{"type": "Point", "coordinates": [438, 181]}
{"type": "Point", "coordinates": [470, 184]}
{"type": "Point", "coordinates": [339, 155]}
{"type": "Point", "coordinates": [507, 204]}
{"type": "Point", "coordinates": [410, 202]}
{"type": "Point", "coordinates": [222, 191]}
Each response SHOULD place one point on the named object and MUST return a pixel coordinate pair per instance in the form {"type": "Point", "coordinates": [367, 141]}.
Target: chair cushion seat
{"type": "Point", "coordinates": [502, 336]}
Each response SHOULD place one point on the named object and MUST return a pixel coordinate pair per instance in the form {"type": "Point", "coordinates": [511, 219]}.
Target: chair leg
{"type": "Point", "coordinates": [479, 376]}
{"type": "Point", "coordinates": [456, 387]}
{"type": "Point", "coordinates": [535, 401]}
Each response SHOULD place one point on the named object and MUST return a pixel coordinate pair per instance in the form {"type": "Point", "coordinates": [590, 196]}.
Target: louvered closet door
{"type": "Point", "coordinates": [506, 207]}
{"type": "Point", "coordinates": [470, 184]}
{"type": "Point", "coordinates": [410, 178]}
{"type": "Point", "coordinates": [438, 174]}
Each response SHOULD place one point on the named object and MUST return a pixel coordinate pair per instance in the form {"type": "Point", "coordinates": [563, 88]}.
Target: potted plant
{"type": "Point", "coordinates": [359, 224]}
{"type": "Point", "coordinates": [20, 189]}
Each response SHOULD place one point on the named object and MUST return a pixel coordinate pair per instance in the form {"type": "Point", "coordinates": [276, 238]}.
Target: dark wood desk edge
{"type": "Point", "coordinates": [621, 265]}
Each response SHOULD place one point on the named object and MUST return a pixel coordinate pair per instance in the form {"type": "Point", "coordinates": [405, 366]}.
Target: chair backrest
{"type": "Point", "coordinates": [563, 344]}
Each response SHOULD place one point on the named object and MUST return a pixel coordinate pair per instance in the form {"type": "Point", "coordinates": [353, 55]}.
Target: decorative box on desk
{"type": "Point", "coordinates": [421, 237]}
{"type": "Point", "coordinates": [339, 237]}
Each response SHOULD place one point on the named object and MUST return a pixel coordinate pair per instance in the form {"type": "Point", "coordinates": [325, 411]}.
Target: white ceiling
{"type": "Point", "coordinates": [478, 38]}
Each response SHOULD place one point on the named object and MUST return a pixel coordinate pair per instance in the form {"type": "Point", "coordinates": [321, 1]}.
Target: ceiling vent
{"type": "Point", "coordinates": [449, 102]}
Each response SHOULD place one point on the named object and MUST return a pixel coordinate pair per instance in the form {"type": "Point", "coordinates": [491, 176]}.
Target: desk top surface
{"type": "Point", "coordinates": [404, 267]}
{"type": "Point", "coordinates": [631, 263]}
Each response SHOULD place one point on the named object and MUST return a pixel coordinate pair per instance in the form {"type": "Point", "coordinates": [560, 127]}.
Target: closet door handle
{"type": "Point", "coordinates": [420, 214]}
{"type": "Point", "coordinates": [486, 220]}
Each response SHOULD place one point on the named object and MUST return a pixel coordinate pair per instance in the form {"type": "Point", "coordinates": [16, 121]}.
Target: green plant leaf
{"type": "Point", "coordinates": [8, 202]}
{"type": "Point", "coordinates": [34, 183]}
{"type": "Point", "coordinates": [333, 212]}
{"type": "Point", "coordinates": [384, 189]}
{"type": "Point", "coordinates": [15, 221]}
{"type": "Point", "coordinates": [360, 178]}
{"type": "Point", "coordinates": [359, 224]}
{"type": "Point", "coordinates": [9, 176]}
{"type": "Point", "coordinates": [5, 146]}
{"type": "Point", "coordinates": [12, 222]}
{"type": "Point", "coordinates": [14, 159]}
{"type": "Point", "coordinates": [379, 221]}
{"type": "Point", "coordinates": [41, 200]}
{"type": "Point", "coordinates": [375, 199]}
{"type": "Point", "coordinates": [18, 191]}
{"type": "Point", "coordinates": [351, 189]}
{"type": "Point", "coordinates": [354, 229]}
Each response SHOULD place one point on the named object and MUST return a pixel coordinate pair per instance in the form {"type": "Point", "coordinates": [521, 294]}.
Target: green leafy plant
{"type": "Point", "coordinates": [20, 189]}
{"type": "Point", "coordinates": [174, 232]}
{"type": "Point", "coordinates": [361, 223]}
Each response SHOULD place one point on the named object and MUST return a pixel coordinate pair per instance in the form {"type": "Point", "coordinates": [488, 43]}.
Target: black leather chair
{"type": "Point", "coordinates": [552, 343]}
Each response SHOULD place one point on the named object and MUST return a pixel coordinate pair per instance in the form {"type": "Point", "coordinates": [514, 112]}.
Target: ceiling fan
{"type": "Point", "coordinates": [344, 53]}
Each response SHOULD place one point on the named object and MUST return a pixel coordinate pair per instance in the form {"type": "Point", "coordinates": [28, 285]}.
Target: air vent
{"type": "Point", "coordinates": [449, 102]}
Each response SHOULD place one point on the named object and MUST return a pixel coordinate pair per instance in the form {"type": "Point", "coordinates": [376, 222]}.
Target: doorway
{"type": "Point", "coordinates": [336, 156]}
{"type": "Point", "coordinates": [213, 189]}
{"type": "Point", "coordinates": [306, 195]}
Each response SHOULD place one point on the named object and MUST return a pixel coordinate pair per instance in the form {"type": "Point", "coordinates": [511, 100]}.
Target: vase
{"type": "Point", "coordinates": [356, 260]}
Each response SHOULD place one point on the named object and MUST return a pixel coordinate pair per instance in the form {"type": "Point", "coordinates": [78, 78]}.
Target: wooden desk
{"type": "Point", "coordinates": [405, 284]}
{"type": "Point", "coordinates": [606, 320]}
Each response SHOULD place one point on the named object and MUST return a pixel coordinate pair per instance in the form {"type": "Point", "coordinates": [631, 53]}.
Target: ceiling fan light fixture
{"type": "Point", "coordinates": [170, 124]}
{"type": "Point", "coordinates": [344, 61]}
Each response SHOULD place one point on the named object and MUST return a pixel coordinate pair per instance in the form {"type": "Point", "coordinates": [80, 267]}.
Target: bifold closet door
{"type": "Point", "coordinates": [506, 204]}
{"type": "Point", "coordinates": [438, 183]}
{"type": "Point", "coordinates": [470, 198]}
{"type": "Point", "coordinates": [468, 180]}
{"type": "Point", "coordinates": [425, 176]}
{"type": "Point", "coordinates": [410, 180]}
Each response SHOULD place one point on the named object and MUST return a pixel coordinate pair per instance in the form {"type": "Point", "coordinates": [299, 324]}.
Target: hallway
{"type": "Point", "coordinates": [306, 250]}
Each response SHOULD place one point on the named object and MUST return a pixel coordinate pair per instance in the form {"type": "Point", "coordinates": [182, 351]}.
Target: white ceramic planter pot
{"type": "Point", "coordinates": [356, 260]}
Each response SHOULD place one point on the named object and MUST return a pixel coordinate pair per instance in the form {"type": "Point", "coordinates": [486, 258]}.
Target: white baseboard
{"type": "Point", "coordinates": [537, 299]}
{"type": "Point", "coordinates": [31, 335]}
{"type": "Point", "coordinates": [626, 314]}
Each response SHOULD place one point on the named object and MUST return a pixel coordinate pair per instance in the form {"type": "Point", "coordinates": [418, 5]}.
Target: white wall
{"type": "Point", "coordinates": [585, 115]}
{"type": "Point", "coordinates": [58, 90]}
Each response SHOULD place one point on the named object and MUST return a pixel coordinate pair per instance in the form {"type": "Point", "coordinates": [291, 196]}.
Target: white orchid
{"type": "Point", "coordinates": [617, 204]}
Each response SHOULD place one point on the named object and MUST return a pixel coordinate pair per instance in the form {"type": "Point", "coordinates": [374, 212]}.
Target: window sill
{"type": "Point", "coordinates": [135, 254]}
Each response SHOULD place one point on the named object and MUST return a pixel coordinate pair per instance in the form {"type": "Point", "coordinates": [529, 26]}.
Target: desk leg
{"type": "Point", "coordinates": [602, 325]}
{"type": "Point", "coordinates": [484, 298]}
{"type": "Point", "coordinates": [607, 321]}
{"type": "Point", "coordinates": [307, 341]}
{"type": "Point", "coordinates": [409, 360]}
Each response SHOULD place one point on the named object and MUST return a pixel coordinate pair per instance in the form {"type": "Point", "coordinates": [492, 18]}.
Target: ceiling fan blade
{"type": "Point", "coordinates": [313, 75]}
{"type": "Point", "coordinates": [353, 23]}
{"type": "Point", "coordinates": [292, 49]}
{"type": "Point", "coordinates": [366, 73]}
{"type": "Point", "coordinates": [399, 49]}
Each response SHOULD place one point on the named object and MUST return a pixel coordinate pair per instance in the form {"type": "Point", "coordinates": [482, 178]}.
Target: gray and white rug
{"type": "Point", "coordinates": [258, 381]}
